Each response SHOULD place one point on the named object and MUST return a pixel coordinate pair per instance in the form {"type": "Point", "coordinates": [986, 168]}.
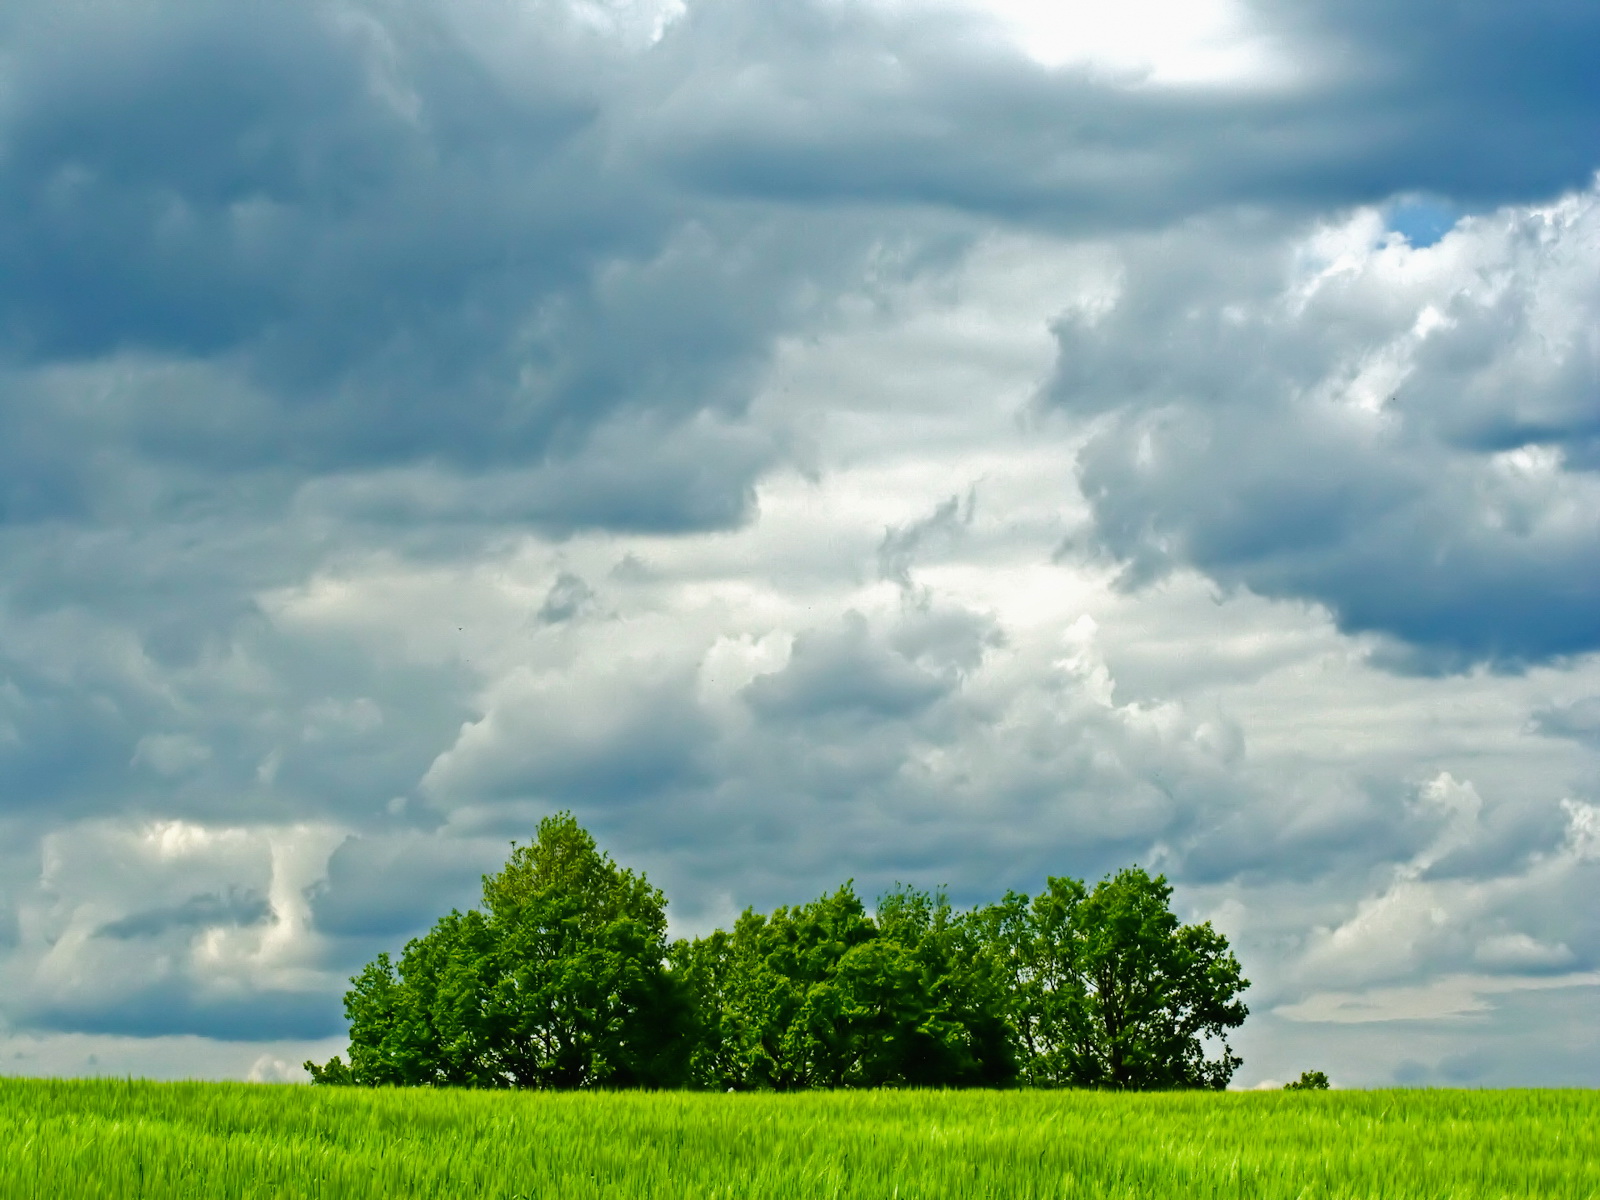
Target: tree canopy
{"type": "Point", "coordinates": [561, 983]}
{"type": "Point", "coordinates": [566, 980]}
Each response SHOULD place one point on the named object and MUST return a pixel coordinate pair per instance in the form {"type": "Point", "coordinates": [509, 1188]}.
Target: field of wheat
{"type": "Point", "coordinates": [123, 1139]}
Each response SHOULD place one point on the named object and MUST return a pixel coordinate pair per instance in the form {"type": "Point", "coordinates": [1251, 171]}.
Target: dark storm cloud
{"type": "Point", "coordinates": [411, 253]}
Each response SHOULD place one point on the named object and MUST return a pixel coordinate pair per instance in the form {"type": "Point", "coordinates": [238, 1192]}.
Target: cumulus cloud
{"type": "Point", "coordinates": [1403, 435]}
{"type": "Point", "coordinates": [210, 946]}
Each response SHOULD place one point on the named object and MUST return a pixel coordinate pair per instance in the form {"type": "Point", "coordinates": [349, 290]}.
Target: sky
{"type": "Point", "coordinates": [951, 442]}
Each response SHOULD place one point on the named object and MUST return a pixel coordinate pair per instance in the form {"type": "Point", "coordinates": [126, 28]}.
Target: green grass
{"type": "Point", "coordinates": [115, 1139]}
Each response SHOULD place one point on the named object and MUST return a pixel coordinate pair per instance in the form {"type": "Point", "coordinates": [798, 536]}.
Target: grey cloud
{"type": "Point", "coordinates": [900, 546]}
{"type": "Point", "coordinates": [197, 177]}
{"type": "Point", "coordinates": [360, 214]}
{"type": "Point", "coordinates": [618, 735]}
{"type": "Point", "coordinates": [1489, 87]}
{"type": "Point", "coordinates": [1579, 720]}
{"type": "Point", "coordinates": [1323, 826]}
{"type": "Point", "coordinates": [258, 720]}
{"type": "Point", "coordinates": [1520, 926]}
{"type": "Point", "coordinates": [864, 763]}
{"type": "Point", "coordinates": [944, 640]}
{"type": "Point", "coordinates": [192, 943]}
{"type": "Point", "coordinates": [1312, 829]}
{"type": "Point", "coordinates": [924, 746]}
{"type": "Point", "coordinates": [236, 907]}
{"type": "Point", "coordinates": [844, 673]}
{"type": "Point", "coordinates": [935, 112]}
{"type": "Point", "coordinates": [309, 242]}
{"type": "Point", "coordinates": [357, 213]}
{"type": "Point", "coordinates": [263, 1015]}
{"type": "Point", "coordinates": [569, 595]}
{"type": "Point", "coordinates": [1518, 1039]}
{"type": "Point", "coordinates": [1514, 833]}
{"type": "Point", "coordinates": [384, 887]}
{"type": "Point", "coordinates": [290, 284]}
{"type": "Point", "coordinates": [1326, 435]}
{"type": "Point", "coordinates": [637, 474]}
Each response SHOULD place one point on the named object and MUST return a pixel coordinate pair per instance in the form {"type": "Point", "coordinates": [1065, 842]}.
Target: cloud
{"type": "Point", "coordinates": [1579, 720]}
{"type": "Point", "coordinates": [1402, 435]}
{"type": "Point", "coordinates": [323, 242]}
{"type": "Point", "coordinates": [390, 884]}
{"type": "Point", "coordinates": [939, 108]}
{"type": "Point", "coordinates": [211, 945]}
{"type": "Point", "coordinates": [622, 735]}
{"type": "Point", "coordinates": [201, 911]}
{"type": "Point", "coordinates": [1444, 999]}
{"type": "Point", "coordinates": [569, 596]}
{"type": "Point", "coordinates": [843, 673]}
{"type": "Point", "coordinates": [1515, 922]}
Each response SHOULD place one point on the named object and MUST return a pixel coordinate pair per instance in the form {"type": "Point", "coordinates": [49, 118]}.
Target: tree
{"type": "Point", "coordinates": [582, 997]}
{"type": "Point", "coordinates": [562, 984]}
{"type": "Point", "coordinates": [421, 1022]}
{"type": "Point", "coordinates": [1309, 1081]}
{"type": "Point", "coordinates": [822, 995]}
{"type": "Point", "coordinates": [778, 999]}
{"type": "Point", "coordinates": [1106, 989]}
{"type": "Point", "coordinates": [1156, 989]}
{"type": "Point", "coordinates": [1044, 998]}
{"type": "Point", "coordinates": [959, 1038]}
{"type": "Point", "coordinates": [564, 980]}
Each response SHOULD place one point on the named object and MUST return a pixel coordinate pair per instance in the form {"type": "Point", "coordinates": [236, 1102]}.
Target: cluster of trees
{"type": "Point", "coordinates": [1309, 1081]}
{"type": "Point", "coordinates": [566, 980]}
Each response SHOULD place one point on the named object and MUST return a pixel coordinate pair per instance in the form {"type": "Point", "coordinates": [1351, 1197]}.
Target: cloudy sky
{"type": "Point", "coordinates": [949, 441]}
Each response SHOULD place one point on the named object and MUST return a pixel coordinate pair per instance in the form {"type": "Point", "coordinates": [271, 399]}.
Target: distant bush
{"type": "Point", "coordinates": [1309, 1081]}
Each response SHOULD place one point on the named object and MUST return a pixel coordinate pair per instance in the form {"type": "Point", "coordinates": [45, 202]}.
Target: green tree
{"type": "Point", "coordinates": [582, 996]}
{"type": "Point", "coordinates": [1036, 950]}
{"type": "Point", "coordinates": [822, 995]}
{"type": "Point", "coordinates": [1309, 1081]}
{"type": "Point", "coordinates": [561, 984]}
{"type": "Point", "coordinates": [957, 1036]}
{"type": "Point", "coordinates": [565, 980]}
{"type": "Point", "coordinates": [1156, 989]}
{"type": "Point", "coordinates": [789, 1017]}
{"type": "Point", "coordinates": [421, 1022]}
{"type": "Point", "coordinates": [1106, 989]}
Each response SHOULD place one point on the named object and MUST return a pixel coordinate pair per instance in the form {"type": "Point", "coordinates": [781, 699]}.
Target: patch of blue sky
{"type": "Point", "coordinates": [1422, 220]}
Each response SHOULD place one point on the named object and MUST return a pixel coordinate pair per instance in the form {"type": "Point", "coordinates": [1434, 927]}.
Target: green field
{"type": "Point", "coordinates": [72, 1138]}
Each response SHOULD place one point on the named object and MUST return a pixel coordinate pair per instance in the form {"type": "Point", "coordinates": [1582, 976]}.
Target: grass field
{"type": "Point", "coordinates": [76, 1138]}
